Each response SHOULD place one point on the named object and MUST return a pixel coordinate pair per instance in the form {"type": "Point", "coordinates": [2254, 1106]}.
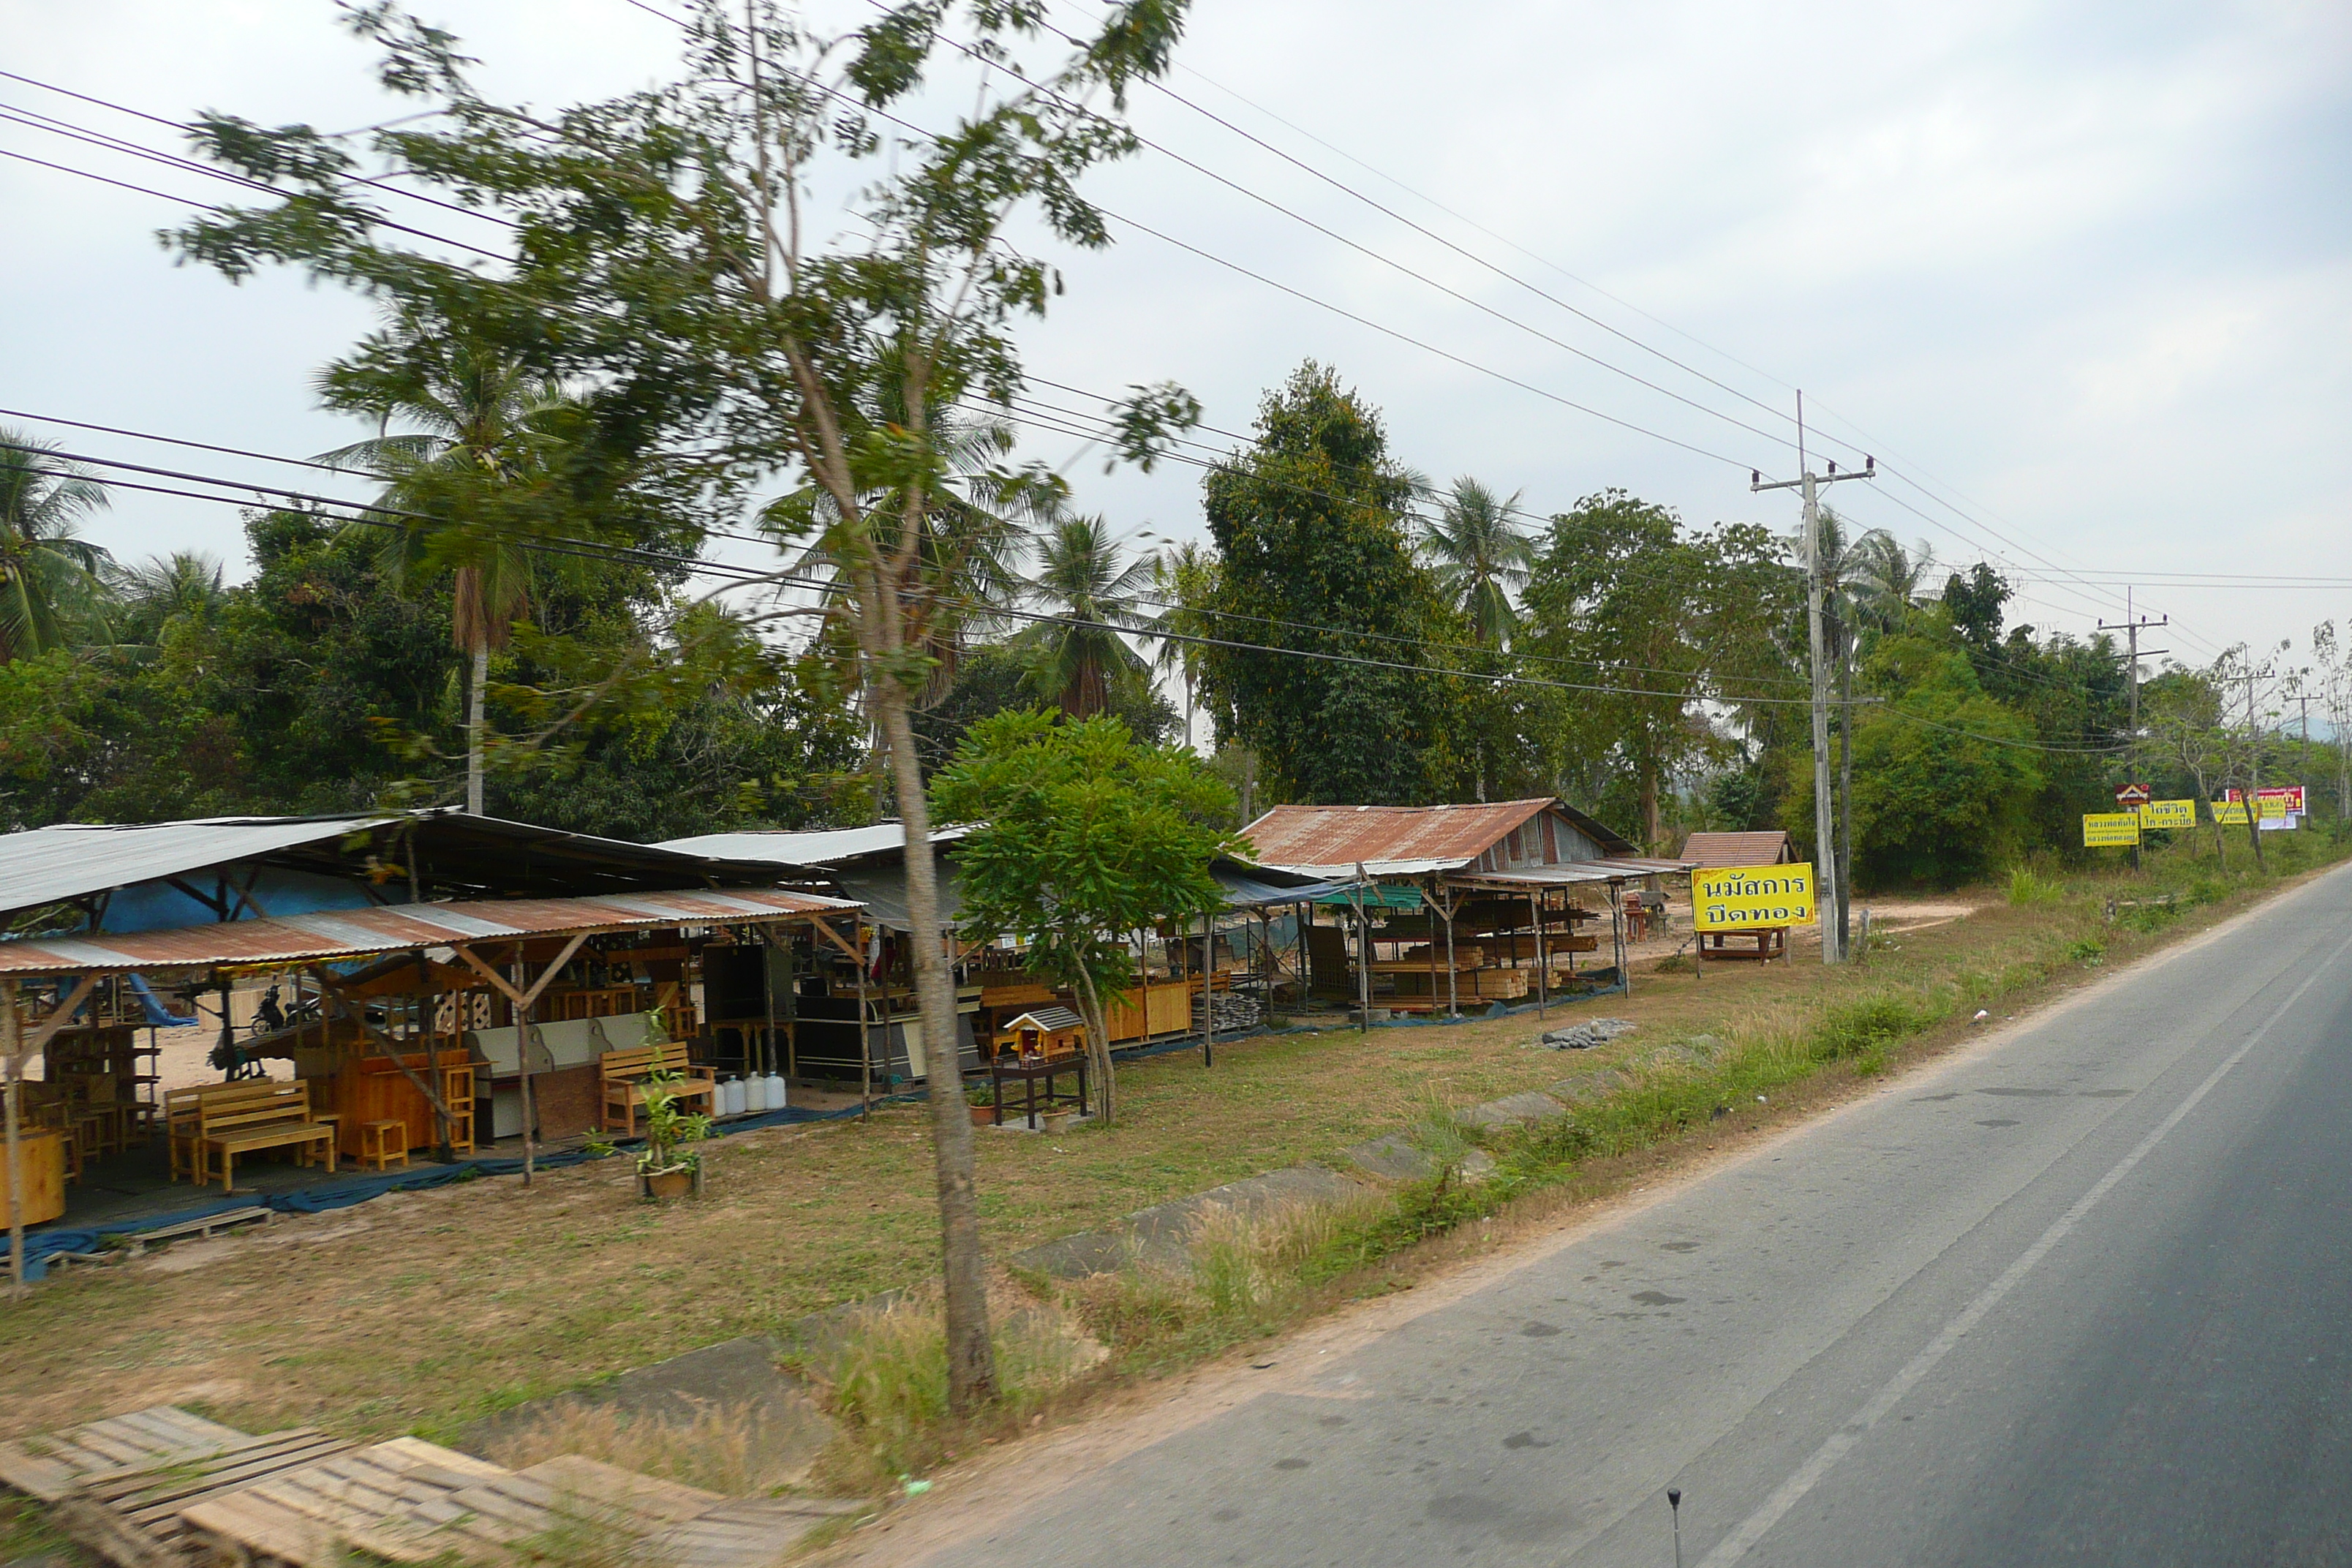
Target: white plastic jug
{"type": "Point", "coordinates": [730, 1097]}
{"type": "Point", "coordinates": [755, 1093]}
{"type": "Point", "coordinates": [777, 1091]}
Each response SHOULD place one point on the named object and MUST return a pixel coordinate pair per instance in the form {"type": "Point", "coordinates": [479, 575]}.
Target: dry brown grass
{"type": "Point", "coordinates": [717, 1448]}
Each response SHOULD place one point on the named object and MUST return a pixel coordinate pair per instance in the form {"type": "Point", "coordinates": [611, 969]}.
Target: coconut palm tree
{"type": "Point", "coordinates": [477, 420]}
{"type": "Point", "coordinates": [186, 585]}
{"type": "Point", "coordinates": [1480, 561]}
{"type": "Point", "coordinates": [49, 579]}
{"type": "Point", "coordinates": [1080, 660]}
{"type": "Point", "coordinates": [1184, 581]}
{"type": "Point", "coordinates": [1479, 558]}
{"type": "Point", "coordinates": [1888, 581]}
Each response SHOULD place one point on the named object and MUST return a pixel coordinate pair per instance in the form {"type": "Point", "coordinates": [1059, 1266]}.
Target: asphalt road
{"type": "Point", "coordinates": [2083, 1294]}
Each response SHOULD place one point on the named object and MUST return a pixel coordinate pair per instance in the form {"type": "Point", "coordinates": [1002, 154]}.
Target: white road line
{"type": "Point", "coordinates": [1752, 1530]}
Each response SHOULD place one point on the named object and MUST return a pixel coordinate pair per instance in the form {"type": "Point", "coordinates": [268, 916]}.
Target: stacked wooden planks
{"type": "Point", "coordinates": [133, 1517]}
{"type": "Point", "coordinates": [162, 1488]}
{"type": "Point", "coordinates": [48, 1467]}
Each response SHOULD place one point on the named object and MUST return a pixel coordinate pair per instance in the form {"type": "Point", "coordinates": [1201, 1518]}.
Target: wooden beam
{"type": "Point", "coordinates": [59, 1016]}
{"type": "Point", "coordinates": [835, 938]}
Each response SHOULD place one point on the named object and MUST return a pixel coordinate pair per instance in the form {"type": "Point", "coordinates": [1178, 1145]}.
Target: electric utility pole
{"type": "Point", "coordinates": [2132, 626]}
{"type": "Point", "coordinates": [1825, 878]}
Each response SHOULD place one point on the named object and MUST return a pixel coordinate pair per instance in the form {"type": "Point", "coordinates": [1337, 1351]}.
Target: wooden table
{"type": "Point", "coordinates": [1002, 1070]}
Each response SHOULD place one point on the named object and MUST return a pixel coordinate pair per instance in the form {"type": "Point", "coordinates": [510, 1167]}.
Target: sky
{"type": "Point", "coordinates": [2079, 277]}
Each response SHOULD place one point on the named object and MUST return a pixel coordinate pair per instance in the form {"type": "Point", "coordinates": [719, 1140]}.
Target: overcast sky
{"type": "Point", "coordinates": [2079, 275]}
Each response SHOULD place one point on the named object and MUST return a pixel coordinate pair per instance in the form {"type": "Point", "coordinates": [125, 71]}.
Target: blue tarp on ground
{"type": "Point", "coordinates": [55, 1240]}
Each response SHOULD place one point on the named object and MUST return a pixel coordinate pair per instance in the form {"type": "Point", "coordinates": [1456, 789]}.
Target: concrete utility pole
{"type": "Point", "coordinates": [2132, 626]}
{"type": "Point", "coordinates": [1826, 888]}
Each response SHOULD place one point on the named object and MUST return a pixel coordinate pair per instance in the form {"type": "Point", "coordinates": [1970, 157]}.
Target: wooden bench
{"type": "Point", "coordinates": [625, 1072]}
{"type": "Point", "coordinates": [243, 1118]}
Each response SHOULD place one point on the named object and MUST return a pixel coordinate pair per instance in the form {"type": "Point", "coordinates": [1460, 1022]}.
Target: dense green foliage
{"type": "Point", "coordinates": [1314, 555]}
{"type": "Point", "coordinates": [315, 687]}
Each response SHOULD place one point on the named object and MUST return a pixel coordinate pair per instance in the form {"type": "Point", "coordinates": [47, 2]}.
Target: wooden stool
{"type": "Point", "coordinates": [374, 1149]}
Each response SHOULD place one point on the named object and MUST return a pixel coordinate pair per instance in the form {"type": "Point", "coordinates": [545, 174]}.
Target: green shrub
{"type": "Point", "coordinates": [2028, 888]}
{"type": "Point", "coordinates": [1865, 1028]}
{"type": "Point", "coordinates": [2090, 953]}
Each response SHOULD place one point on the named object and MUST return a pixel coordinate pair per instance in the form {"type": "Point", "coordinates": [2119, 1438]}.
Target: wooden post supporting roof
{"type": "Point", "coordinates": [19, 1046]}
{"type": "Point", "coordinates": [522, 1000]}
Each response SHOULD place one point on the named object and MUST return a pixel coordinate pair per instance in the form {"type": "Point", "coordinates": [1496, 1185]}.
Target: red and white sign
{"type": "Point", "coordinates": [2133, 795]}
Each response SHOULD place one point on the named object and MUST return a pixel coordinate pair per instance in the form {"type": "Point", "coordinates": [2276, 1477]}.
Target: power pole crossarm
{"type": "Point", "coordinates": [1825, 878]}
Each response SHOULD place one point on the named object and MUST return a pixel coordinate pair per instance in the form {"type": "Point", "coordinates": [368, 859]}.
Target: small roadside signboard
{"type": "Point", "coordinates": [2110, 829]}
{"type": "Point", "coordinates": [2158, 814]}
{"type": "Point", "coordinates": [1752, 897]}
{"type": "Point", "coordinates": [2131, 795]}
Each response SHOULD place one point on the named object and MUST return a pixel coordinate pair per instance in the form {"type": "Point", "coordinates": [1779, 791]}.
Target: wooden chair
{"type": "Point", "coordinates": [623, 1074]}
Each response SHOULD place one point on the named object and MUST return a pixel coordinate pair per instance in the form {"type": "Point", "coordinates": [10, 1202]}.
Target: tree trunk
{"type": "Point", "coordinates": [1097, 1022]}
{"type": "Point", "coordinates": [480, 678]}
{"type": "Point", "coordinates": [2254, 830]}
{"type": "Point", "coordinates": [972, 1361]}
{"type": "Point", "coordinates": [1649, 808]}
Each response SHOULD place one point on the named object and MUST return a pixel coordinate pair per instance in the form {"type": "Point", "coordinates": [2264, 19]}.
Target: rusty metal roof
{"type": "Point", "coordinates": [1763, 848]}
{"type": "Point", "coordinates": [1400, 840]}
{"type": "Point", "coordinates": [1617, 869]}
{"type": "Point", "coordinates": [352, 933]}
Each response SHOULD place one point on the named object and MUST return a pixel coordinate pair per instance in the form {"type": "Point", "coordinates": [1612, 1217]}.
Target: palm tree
{"type": "Point", "coordinates": [972, 523]}
{"type": "Point", "coordinates": [1887, 580]}
{"type": "Point", "coordinates": [479, 420]}
{"type": "Point", "coordinates": [49, 578]}
{"type": "Point", "coordinates": [1183, 582]}
{"type": "Point", "coordinates": [1480, 561]}
{"type": "Point", "coordinates": [186, 585]}
{"type": "Point", "coordinates": [1080, 660]}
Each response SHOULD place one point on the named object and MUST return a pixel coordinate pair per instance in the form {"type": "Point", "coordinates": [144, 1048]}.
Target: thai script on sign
{"type": "Point", "coordinates": [1749, 898]}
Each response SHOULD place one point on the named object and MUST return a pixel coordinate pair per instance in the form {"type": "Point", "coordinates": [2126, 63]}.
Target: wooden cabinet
{"type": "Point", "coordinates": [41, 1166]}
{"type": "Point", "coordinates": [373, 1088]}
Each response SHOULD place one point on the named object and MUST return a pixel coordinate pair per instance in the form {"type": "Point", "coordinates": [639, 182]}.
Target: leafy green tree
{"type": "Point", "coordinates": [665, 259]}
{"type": "Point", "coordinates": [1944, 776]}
{"type": "Point", "coordinates": [49, 577]}
{"type": "Point", "coordinates": [185, 587]}
{"type": "Point", "coordinates": [1672, 617]}
{"type": "Point", "coordinates": [1082, 662]}
{"type": "Point", "coordinates": [1313, 554]}
{"type": "Point", "coordinates": [1086, 837]}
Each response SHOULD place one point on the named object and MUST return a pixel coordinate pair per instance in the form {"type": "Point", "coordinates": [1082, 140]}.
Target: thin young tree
{"type": "Point", "coordinates": [670, 260]}
{"type": "Point", "coordinates": [1183, 584]}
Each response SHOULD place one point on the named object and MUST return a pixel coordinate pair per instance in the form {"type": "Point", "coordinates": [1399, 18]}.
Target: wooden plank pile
{"type": "Point", "coordinates": [162, 1488]}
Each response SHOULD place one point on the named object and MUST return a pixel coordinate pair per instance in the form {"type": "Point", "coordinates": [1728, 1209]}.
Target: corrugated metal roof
{"type": "Point", "coordinates": [1762, 848]}
{"type": "Point", "coordinates": [1428, 837]}
{"type": "Point", "coordinates": [455, 853]}
{"type": "Point", "coordinates": [74, 860]}
{"type": "Point", "coordinates": [821, 848]}
{"type": "Point", "coordinates": [351, 933]}
{"type": "Point", "coordinates": [1400, 840]}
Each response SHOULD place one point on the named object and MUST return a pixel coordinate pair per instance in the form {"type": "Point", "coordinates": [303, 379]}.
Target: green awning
{"type": "Point", "coordinates": [1374, 896]}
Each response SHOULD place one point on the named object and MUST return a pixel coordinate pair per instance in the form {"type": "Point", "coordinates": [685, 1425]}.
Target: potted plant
{"type": "Point", "coordinates": [669, 1167]}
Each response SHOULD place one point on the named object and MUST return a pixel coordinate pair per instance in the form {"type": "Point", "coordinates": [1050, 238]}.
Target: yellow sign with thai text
{"type": "Point", "coordinates": [2158, 814]}
{"type": "Point", "coordinates": [2232, 813]}
{"type": "Point", "coordinates": [1752, 897]}
{"type": "Point", "coordinates": [2110, 829]}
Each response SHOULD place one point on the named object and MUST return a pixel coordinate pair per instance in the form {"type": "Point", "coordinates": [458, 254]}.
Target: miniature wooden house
{"type": "Point", "coordinates": [1041, 1035]}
